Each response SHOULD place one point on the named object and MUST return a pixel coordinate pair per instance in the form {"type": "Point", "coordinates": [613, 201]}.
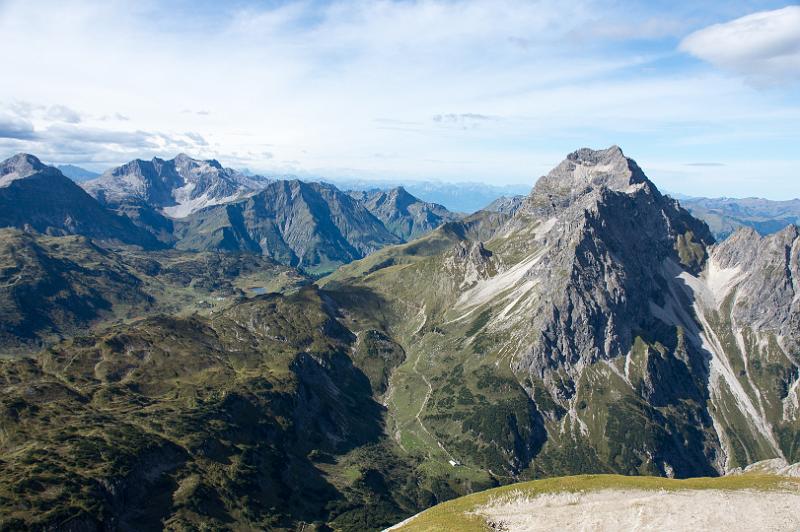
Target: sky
{"type": "Point", "coordinates": [704, 95]}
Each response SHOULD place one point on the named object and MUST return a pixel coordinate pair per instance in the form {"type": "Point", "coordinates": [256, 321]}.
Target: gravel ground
{"type": "Point", "coordinates": [618, 510]}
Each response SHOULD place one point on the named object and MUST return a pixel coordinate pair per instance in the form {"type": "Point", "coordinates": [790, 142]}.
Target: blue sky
{"type": "Point", "coordinates": [704, 95]}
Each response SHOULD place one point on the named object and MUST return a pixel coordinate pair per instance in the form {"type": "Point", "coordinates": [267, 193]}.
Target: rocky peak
{"type": "Point", "coordinates": [587, 171]}
{"type": "Point", "coordinates": [505, 204]}
{"type": "Point", "coordinates": [401, 196]}
{"type": "Point", "coordinates": [177, 187]}
{"type": "Point", "coordinates": [741, 247]}
{"type": "Point", "coordinates": [19, 166]}
{"type": "Point", "coordinates": [472, 251]}
{"type": "Point", "coordinates": [183, 161]}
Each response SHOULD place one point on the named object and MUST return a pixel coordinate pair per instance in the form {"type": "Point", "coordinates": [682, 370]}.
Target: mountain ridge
{"type": "Point", "coordinates": [406, 216]}
{"type": "Point", "coordinates": [177, 186]}
{"type": "Point", "coordinates": [34, 196]}
{"type": "Point", "coordinates": [308, 225]}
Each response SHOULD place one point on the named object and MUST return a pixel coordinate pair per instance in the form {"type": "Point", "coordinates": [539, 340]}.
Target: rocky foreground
{"type": "Point", "coordinates": [765, 496]}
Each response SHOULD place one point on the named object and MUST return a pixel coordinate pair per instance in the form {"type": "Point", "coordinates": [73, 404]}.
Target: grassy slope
{"type": "Point", "coordinates": [455, 515]}
{"type": "Point", "coordinates": [54, 287]}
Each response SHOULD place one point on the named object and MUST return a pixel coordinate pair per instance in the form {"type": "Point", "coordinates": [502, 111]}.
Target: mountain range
{"type": "Point", "coordinates": [403, 214]}
{"type": "Point", "coordinates": [38, 197]}
{"type": "Point", "coordinates": [177, 187]}
{"type": "Point", "coordinates": [462, 197]}
{"type": "Point", "coordinates": [725, 215]}
{"type": "Point", "coordinates": [313, 226]}
{"type": "Point", "coordinates": [195, 205]}
{"type": "Point", "coordinates": [592, 326]}
{"type": "Point", "coordinates": [76, 173]}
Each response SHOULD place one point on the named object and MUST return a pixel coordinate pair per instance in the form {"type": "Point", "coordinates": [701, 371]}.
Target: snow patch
{"type": "Point", "coordinates": [714, 284]}
{"type": "Point", "coordinates": [7, 179]}
{"type": "Point", "coordinates": [186, 205]}
{"type": "Point", "coordinates": [487, 289]}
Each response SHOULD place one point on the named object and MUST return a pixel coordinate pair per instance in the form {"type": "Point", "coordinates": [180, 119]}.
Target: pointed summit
{"type": "Point", "coordinates": [19, 166]}
{"type": "Point", "coordinates": [587, 170]}
{"type": "Point", "coordinates": [405, 215]}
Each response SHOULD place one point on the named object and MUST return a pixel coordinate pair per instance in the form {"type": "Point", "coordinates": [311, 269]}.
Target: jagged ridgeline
{"type": "Point", "coordinates": [593, 326]}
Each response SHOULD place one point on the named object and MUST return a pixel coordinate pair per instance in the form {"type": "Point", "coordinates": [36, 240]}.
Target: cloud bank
{"type": "Point", "coordinates": [763, 47]}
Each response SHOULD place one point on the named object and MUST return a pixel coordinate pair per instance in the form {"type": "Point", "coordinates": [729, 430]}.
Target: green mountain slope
{"type": "Point", "coordinates": [312, 226]}
{"type": "Point", "coordinates": [52, 287]}
{"type": "Point", "coordinates": [263, 416]}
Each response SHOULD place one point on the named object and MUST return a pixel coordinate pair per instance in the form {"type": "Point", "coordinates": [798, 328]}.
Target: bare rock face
{"type": "Point", "coordinates": [603, 232]}
{"type": "Point", "coordinates": [505, 204]}
{"type": "Point", "coordinates": [767, 297]}
{"type": "Point", "coordinates": [624, 276]}
{"type": "Point", "coordinates": [175, 187]}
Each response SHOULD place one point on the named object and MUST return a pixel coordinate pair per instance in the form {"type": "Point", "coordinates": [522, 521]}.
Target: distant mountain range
{"type": "Point", "coordinates": [464, 197]}
{"type": "Point", "coordinates": [76, 173]}
{"type": "Point", "coordinates": [38, 197]}
{"type": "Point", "coordinates": [198, 205]}
{"type": "Point", "coordinates": [177, 187]}
{"type": "Point", "coordinates": [725, 215]}
{"type": "Point", "coordinates": [406, 216]}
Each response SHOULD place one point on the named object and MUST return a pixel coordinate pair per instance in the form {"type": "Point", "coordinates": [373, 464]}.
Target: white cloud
{"type": "Point", "coordinates": [15, 127]}
{"type": "Point", "coordinates": [62, 113]}
{"type": "Point", "coordinates": [764, 47]}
